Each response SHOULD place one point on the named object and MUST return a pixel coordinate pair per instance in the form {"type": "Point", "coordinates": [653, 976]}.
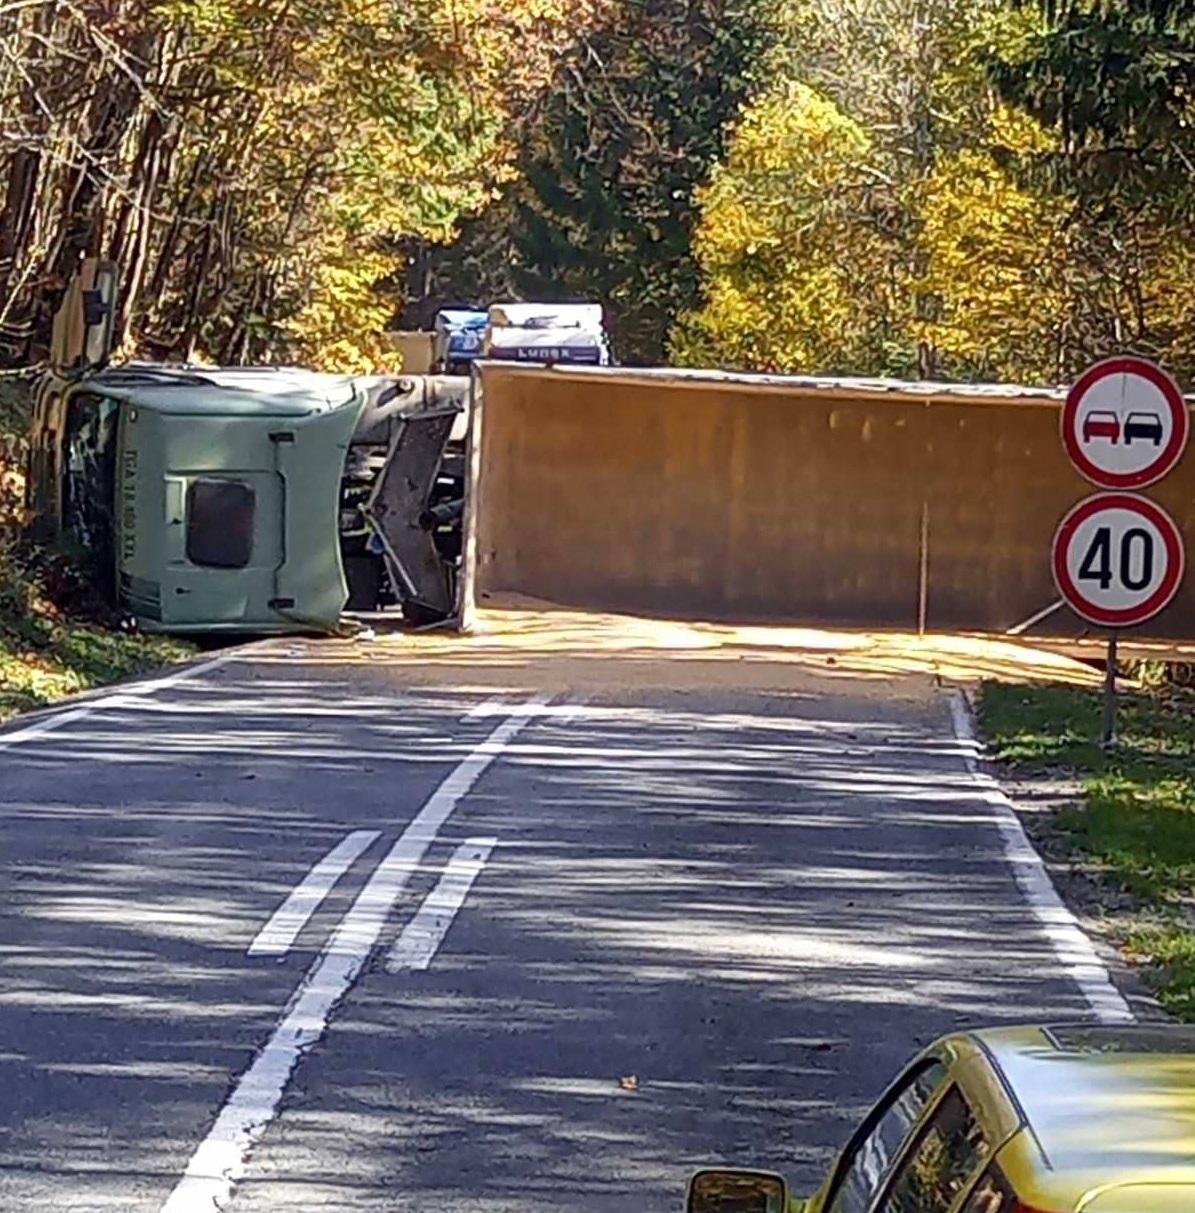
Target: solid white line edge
{"type": "Point", "coordinates": [116, 698]}
{"type": "Point", "coordinates": [277, 936]}
{"type": "Point", "coordinates": [219, 1160]}
{"type": "Point", "coordinates": [421, 938]}
{"type": "Point", "coordinates": [1071, 945]}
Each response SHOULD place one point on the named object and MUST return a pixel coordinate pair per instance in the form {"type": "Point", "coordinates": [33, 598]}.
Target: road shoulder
{"type": "Point", "coordinates": [1111, 829]}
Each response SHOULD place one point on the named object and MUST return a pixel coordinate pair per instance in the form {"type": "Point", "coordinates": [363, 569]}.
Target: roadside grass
{"type": "Point", "coordinates": [1133, 831]}
{"type": "Point", "coordinates": [69, 657]}
{"type": "Point", "coordinates": [53, 638]}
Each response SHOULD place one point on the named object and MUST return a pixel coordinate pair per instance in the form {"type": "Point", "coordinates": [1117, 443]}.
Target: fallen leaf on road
{"type": "Point", "coordinates": [629, 1082]}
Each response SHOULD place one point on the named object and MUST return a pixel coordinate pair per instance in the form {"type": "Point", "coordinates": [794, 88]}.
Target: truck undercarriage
{"type": "Point", "coordinates": [402, 498]}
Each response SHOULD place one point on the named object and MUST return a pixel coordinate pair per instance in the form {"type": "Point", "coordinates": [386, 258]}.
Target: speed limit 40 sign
{"type": "Point", "coordinates": [1118, 559]}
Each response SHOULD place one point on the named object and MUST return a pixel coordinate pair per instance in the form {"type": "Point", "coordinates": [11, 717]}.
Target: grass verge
{"type": "Point", "coordinates": [53, 641]}
{"type": "Point", "coordinates": [1130, 836]}
{"type": "Point", "coordinates": [68, 657]}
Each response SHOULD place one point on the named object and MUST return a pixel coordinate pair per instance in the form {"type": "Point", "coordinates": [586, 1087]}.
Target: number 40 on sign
{"type": "Point", "coordinates": [1118, 559]}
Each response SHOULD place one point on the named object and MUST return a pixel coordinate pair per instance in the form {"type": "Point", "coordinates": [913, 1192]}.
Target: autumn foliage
{"type": "Point", "coordinates": [936, 188]}
{"type": "Point", "coordinates": [956, 189]}
{"type": "Point", "coordinates": [253, 165]}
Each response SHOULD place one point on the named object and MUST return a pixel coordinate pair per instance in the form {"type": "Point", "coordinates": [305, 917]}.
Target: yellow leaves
{"type": "Point", "coordinates": [340, 328]}
{"type": "Point", "coordinates": [1165, 256]}
{"type": "Point", "coordinates": [821, 252]}
{"type": "Point", "coordinates": [1016, 131]}
{"type": "Point", "coordinates": [787, 242]}
{"type": "Point", "coordinates": [795, 130]}
{"type": "Point", "coordinates": [794, 158]}
{"type": "Point", "coordinates": [341, 129]}
{"type": "Point", "coordinates": [995, 264]}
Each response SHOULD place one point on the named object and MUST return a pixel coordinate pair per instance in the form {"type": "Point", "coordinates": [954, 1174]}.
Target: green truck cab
{"type": "Point", "coordinates": [241, 500]}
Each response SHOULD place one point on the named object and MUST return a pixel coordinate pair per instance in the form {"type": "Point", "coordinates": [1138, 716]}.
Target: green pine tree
{"type": "Point", "coordinates": [1116, 80]}
{"type": "Point", "coordinates": [603, 206]}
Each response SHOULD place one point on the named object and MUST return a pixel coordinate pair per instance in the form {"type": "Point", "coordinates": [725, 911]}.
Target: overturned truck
{"type": "Point", "coordinates": [245, 500]}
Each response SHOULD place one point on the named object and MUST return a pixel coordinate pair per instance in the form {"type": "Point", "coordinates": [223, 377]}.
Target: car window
{"type": "Point", "coordinates": [220, 523]}
{"type": "Point", "coordinates": [871, 1156]}
{"type": "Point", "coordinates": [948, 1152]}
{"type": "Point", "coordinates": [992, 1194]}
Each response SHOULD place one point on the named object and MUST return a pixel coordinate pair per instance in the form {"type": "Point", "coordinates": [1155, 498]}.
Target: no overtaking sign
{"type": "Point", "coordinates": [1125, 424]}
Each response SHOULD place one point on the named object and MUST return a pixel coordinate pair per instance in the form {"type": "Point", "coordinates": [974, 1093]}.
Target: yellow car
{"type": "Point", "coordinates": [1065, 1119]}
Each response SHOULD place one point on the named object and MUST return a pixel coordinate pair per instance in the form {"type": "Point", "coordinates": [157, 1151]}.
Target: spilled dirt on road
{"type": "Point", "coordinates": [587, 650]}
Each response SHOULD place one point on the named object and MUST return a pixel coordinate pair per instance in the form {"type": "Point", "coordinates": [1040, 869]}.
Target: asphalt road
{"type": "Point", "coordinates": [685, 919]}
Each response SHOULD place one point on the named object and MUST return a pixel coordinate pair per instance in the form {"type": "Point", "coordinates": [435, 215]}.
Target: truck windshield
{"type": "Point", "coordinates": [89, 489]}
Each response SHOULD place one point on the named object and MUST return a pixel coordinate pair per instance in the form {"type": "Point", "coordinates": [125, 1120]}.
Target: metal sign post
{"type": "Point", "coordinates": [1108, 737]}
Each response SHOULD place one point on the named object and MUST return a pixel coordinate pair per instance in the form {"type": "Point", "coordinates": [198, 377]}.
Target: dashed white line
{"type": "Point", "coordinates": [422, 936]}
{"type": "Point", "coordinates": [218, 1163]}
{"type": "Point", "coordinates": [277, 936]}
{"type": "Point", "coordinates": [1072, 947]}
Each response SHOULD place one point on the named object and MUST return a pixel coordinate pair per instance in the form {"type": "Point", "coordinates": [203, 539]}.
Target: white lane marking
{"type": "Point", "coordinates": [1072, 947]}
{"type": "Point", "coordinates": [499, 706]}
{"type": "Point", "coordinates": [277, 936]}
{"type": "Point", "coordinates": [489, 707]}
{"type": "Point", "coordinates": [219, 1161]}
{"type": "Point", "coordinates": [125, 697]}
{"type": "Point", "coordinates": [423, 935]}
{"type": "Point", "coordinates": [574, 710]}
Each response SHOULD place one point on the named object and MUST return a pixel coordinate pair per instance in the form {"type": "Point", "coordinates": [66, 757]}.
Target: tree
{"type": "Point", "coordinates": [603, 204]}
{"type": "Point", "coordinates": [902, 75]}
{"type": "Point", "coordinates": [254, 169]}
{"type": "Point", "coordinates": [994, 260]}
{"type": "Point", "coordinates": [794, 246]}
{"type": "Point", "coordinates": [1116, 80]}
{"type": "Point", "coordinates": [1114, 83]}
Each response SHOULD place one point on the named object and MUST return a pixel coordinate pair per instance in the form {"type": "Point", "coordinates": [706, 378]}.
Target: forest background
{"type": "Point", "coordinates": [960, 189]}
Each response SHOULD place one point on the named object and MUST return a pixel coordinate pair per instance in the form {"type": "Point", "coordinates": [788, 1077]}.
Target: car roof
{"type": "Point", "coordinates": [1104, 1106]}
{"type": "Point", "coordinates": [243, 391]}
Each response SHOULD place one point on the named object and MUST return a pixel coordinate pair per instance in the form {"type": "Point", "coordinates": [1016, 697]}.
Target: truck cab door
{"type": "Point", "coordinates": [81, 337]}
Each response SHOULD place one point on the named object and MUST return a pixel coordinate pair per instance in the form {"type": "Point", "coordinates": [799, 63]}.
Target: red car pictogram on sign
{"type": "Point", "coordinates": [1101, 425]}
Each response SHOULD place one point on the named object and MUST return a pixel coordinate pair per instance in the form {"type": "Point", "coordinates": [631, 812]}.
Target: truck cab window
{"type": "Point", "coordinates": [220, 523]}
{"type": "Point", "coordinates": [89, 484]}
